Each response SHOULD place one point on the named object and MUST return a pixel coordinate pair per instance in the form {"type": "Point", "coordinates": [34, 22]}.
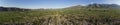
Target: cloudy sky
{"type": "Point", "coordinates": [52, 3]}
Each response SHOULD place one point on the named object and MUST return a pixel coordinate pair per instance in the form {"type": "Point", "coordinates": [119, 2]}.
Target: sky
{"type": "Point", "coordinates": [52, 3]}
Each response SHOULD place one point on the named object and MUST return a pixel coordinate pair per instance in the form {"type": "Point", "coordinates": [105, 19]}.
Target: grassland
{"type": "Point", "coordinates": [66, 16]}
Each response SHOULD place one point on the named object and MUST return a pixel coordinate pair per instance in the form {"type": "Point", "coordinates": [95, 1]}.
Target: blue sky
{"type": "Point", "coordinates": [51, 3]}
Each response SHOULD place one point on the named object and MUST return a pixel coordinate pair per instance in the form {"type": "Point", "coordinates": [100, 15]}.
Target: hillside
{"type": "Point", "coordinates": [75, 15]}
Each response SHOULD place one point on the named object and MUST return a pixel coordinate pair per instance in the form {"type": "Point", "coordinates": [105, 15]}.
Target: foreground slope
{"type": "Point", "coordinates": [75, 15]}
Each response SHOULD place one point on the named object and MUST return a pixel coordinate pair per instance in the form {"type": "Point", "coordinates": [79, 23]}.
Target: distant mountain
{"type": "Point", "coordinates": [95, 5]}
{"type": "Point", "coordinates": [103, 5]}
{"type": "Point", "coordinates": [12, 9]}
{"type": "Point", "coordinates": [75, 7]}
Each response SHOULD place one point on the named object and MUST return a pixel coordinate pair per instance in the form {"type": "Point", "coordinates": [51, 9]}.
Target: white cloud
{"type": "Point", "coordinates": [113, 2]}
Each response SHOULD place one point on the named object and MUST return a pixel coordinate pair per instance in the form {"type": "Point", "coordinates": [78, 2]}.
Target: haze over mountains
{"type": "Point", "coordinates": [95, 5]}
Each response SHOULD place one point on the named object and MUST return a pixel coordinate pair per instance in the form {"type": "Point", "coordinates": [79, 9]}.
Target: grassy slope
{"type": "Point", "coordinates": [63, 16]}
